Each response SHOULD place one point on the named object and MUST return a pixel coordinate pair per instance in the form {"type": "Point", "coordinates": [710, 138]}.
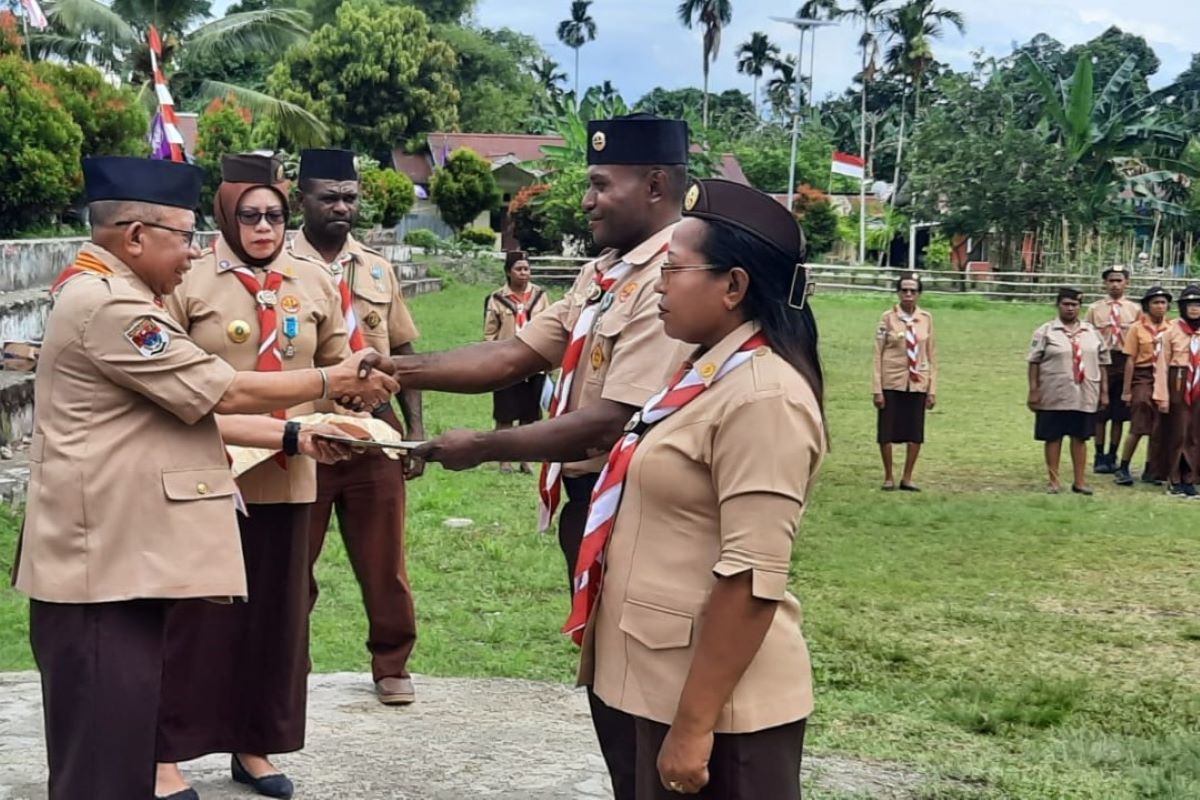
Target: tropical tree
{"type": "Point", "coordinates": [712, 15]}
{"type": "Point", "coordinates": [872, 14]}
{"type": "Point", "coordinates": [115, 39]}
{"type": "Point", "coordinates": [754, 57]}
{"type": "Point", "coordinates": [577, 31]}
{"type": "Point", "coordinates": [781, 89]}
{"type": "Point", "coordinates": [547, 74]}
{"type": "Point", "coordinates": [464, 188]}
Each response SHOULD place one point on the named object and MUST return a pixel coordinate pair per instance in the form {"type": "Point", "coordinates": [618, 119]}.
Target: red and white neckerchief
{"type": "Point", "coordinates": [1156, 335]}
{"type": "Point", "coordinates": [339, 269]}
{"type": "Point", "coordinates": [522, 302]}
{"type": "Point", "coordinates": [911, 346]}
{"type": "Point", "coordinates": [1076, 354]}
{"type": "Point", "coordinates": [686, 386]}
{"type": "Point", "coordinates": [1192, 390]}
{"type": "Point", "coordinates": [1114, 324]}
{"type": "Point", "coordinates": [266, 295]}
{"type": "Point", "coordinates": [550, 480]}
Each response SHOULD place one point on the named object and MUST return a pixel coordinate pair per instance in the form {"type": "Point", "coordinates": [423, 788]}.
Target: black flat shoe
{"type": "Point", "coordinates": [888, 487]}
{"type": "Point", "coordinates": [183, 794]}
{"type": "Point", "coordinates": [908, 487]}
{"type": "Point", "coordinates": [1082, 490]}
{"type": "Point", "coordinates": [276, 785]}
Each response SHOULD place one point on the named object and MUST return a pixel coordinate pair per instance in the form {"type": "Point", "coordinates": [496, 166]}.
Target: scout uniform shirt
{"type": "Point", "coordinates": [710, 493]}
{"type": "Point", "coordinates": [501, 307]}
{"type": "Point", "coordinates": [130, 495]}
{"type": "Point", "coordinates": [1051, 350]}
{"type": "Point", "coordinates": [1101, 314]}
{"type": "Point", "coordinates": [1145, 341]}
{"type": "Point", "coordinates": [378, 301]}
{"type": "Point", "coordinates": [891, 367]}
{"type": "Point", "coordinates": [627, 355]}
{"type": "Point", "coordinates": [221, 315]}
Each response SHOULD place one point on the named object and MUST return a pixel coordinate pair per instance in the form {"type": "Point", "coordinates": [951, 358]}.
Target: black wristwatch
{"type": "Point", "coordinates": [291, 438]}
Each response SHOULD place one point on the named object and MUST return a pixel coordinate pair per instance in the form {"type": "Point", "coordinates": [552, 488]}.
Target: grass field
{"type": "Point", "coordinates": [1001, 642]}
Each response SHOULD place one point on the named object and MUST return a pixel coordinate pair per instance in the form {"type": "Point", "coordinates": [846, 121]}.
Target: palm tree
{"type": "Point", "coordinates": [577, 31]}
{"type": "Point", "coordinates": [754, 57]}
{"type": "Point", "coordinates": [115, 39]}
{"type": "Point", "coordinates": [816, 9]}
{"type": "Point", "coordinates": [547, 74]}
{"type": "Point", "coordinates": [713, 15]}
{"type": "Point", "coordinates": [781, 88]}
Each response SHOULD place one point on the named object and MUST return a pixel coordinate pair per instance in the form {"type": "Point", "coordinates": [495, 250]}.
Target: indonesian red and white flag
{"type": "Point", "coordinates": [846, 164]}
{"type": "Point", "coordinates": [166, 105]}
{"type": "Point", "coordinates": [33, 12]}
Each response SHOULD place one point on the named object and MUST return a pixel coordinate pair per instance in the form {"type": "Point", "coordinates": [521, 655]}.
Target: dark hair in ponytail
{"type": "Point", "coordinates": [791, 332]}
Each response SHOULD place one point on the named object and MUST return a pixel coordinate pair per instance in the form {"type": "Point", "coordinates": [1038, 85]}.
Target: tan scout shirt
{"type": "Point", "coordinates": [627, 356]}
{"type": "Point", "coordinates": [1099, 316]}
{"type": "Point", "coordinates": [710, 493]}
{"type": "Point", "coordinates": [212, 298]}
{"type": "Point", "coordinates": [378, 301]}
{"type": "Point", "coordinates": [1140, 341]}
{"type": "Point", "coordinates": [1051, 351]}
{"type": "Point", "coordinates": [500, 311]}
{"type": "Point", "coordinates": [891, 354]}
{"type": "Point", "coordinates": [1179, 343]}
{"type": "Point", "coordinates": [130, 495]}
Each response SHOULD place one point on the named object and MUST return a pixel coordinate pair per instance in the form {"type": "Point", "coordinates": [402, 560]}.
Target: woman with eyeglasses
{"type": "Point", "coordinates": [681, 601]}
{"type": "Point", "coordinates": [905, 379]}
{"type": "Point", "coordinates": [235, 676]}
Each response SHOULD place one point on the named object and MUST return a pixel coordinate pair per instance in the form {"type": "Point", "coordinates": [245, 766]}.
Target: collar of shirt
{"type": "Point", "coordinates": [1059, 325]}
{"type": "Point", "coordinates": [641, 255]}
{"type": "Point", "coordinates": [227, 260]}
{"type": "Point", "coordinates": [121, 270]}
{"type": "Point", "coordinates": [708, 363]}
{"type": "Point", "coordinates": [300, 246]}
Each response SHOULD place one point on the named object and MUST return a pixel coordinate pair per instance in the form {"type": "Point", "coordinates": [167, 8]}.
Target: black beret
{"type": "Point", "coordinates": [637, 139]}
{"type": "Point", "coordinates": [1068, 293]}
{"type": "Point", "coordinates": [145, 180]}
{"type": "Point", "coordinates": [747, 208]}
{"type": "Point", "coordinates": [1153, 292]}
{"type": "Point", "coordinates": [1190, 294]}
{"type": "Point", "coordinates": [331, 165]}
{"type": "Point", "coordinates": [511, 257]}
{"type": "Point", "coordinates": [251, 168]}
{"type": "Point", "coordinates": [1115, 269]}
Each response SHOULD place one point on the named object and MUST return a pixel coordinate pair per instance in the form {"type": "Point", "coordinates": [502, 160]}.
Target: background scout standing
{"type": "Point", "coordinates": [1112, 316]}
{"type": "Point", "coordinates": [1145, 382]}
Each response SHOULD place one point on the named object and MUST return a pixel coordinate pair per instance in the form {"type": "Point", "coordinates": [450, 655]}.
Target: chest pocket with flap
{"type": "Point", "coordinates": [198, 484]}
{"type": "Point", "coordinates": [656, 627]}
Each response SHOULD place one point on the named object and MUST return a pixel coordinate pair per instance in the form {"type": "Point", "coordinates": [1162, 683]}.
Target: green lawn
{"type": "Point", "coordinates": [1000, 641]}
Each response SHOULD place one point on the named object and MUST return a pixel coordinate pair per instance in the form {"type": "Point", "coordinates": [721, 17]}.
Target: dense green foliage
{"type": "Point", "coordinates": [221, 130]}
{"type": "Point", "coordinates": [464, 188]}
{"type": "Point", "coordinates": [387, 195]}
{"type": "Point", "coordinates": [113, 120]}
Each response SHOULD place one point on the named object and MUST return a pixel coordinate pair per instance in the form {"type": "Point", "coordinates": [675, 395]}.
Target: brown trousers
{"type": "Point", "coordinates": [743, 766]}
{"type": "Point", "coordinates": [368, 495]}
{"type": "Point", "coordinates": [101, 667]}
{"type": "Point", "coordinates": [1174, 430]}
{"type": "Point", "coordinates": [236, 674]}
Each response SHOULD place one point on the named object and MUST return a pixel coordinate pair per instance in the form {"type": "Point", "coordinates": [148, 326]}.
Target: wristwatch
{"type": "Point", "coordinates": [291, 438]}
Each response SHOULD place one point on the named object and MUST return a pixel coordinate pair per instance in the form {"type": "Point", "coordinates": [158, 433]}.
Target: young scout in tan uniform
{"type": "Point", "coordinates": [904, 383]}
{"type": "Point", "coordinates": [236, 677]}
{"type": "Point", "coordinates": [686, 622]}
{"type": "Point", "coordinates": [1144, 385]}
{"type": "Point", "coordinates": [124, 429]}
{"type": "Point", "coordinates": [505, 312]}
{"type": "Point", "coordinates": [369, 493]}
{"type": "Point", "coordinates": [1112, 316]}
{"type": "Point", "coordinates": [1181, 426]}
{"type": "Point", "coordinates": [606, 335]}
{"type": "Point", "coordinates": [1067, 384]}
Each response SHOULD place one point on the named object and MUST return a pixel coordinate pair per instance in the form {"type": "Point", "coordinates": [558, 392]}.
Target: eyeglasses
{"type": "Point", "coordinates": [668, 269]}
{"type": "Point", "coordinates": [189, 236]}
{"type": "Point", "coordinates": [252, 216]}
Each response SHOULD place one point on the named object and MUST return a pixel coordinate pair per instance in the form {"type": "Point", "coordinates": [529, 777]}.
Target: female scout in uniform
{"type": "Point", "coordinates": [1067, 384]}
{"type": "Point", "coordinates": [693, 518]}
{"type": "Point", "coordinates": [905, 379]}
{"type": "Point", "coordinates": [1145, 385]}
{"type": "Point", "coordinates": [1112, 316]}
{"type": "Point", "coordinates": [1181, 425]}
{"type": "Point", "coordinates": [236, 674]}
{"type": "Point", "coordinates": [131, 504]}
{"type": "Point", "coordinates": [506, 311]}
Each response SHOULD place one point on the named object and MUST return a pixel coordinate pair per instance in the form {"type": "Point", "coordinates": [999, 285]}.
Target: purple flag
{"type": "Point", "coordinates": [160, 146]}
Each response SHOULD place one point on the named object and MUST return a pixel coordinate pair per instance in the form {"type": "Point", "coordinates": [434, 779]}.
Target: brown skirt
{"type": "Point", "coordinates": [1175, 429]}
{"type": "Point", "coordinates": [902, 418]}
{"type": "Point", "coordinates": [521, 402]}
{"type": "Point", "coordinates": [235, 675]}
{"type": "Point", "coordinates": [1144, 414]}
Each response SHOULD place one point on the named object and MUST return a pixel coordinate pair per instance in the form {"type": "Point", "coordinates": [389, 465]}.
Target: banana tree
{"type": "Point", "coordinates": [115, 39]}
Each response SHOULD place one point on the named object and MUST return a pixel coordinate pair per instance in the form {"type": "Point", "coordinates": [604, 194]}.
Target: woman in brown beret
{"type": "Point", "coordinates": [506, 311]}
{"type": "Point", "coordinates": [693, 632]}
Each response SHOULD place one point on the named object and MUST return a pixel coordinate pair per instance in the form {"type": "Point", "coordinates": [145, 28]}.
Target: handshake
{"type": "Point", "coordinates": [362, 381]}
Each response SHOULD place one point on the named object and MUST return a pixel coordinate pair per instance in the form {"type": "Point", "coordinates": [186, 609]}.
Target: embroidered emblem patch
{"type": "Point", "coordinates": [599, 141]}
{"type": "Point", "coordinates": [148, 337]}
{"type": "Point", "coordinates": [708, 370]}
{"type": "Point", "coordinates": [290, 303]}
{"type": "Point", "coordinates": [377, 272]}
{"type": "Point", "coordinates": [597, 357]}
{"type": "Point", "coordinates": [627, 290]}
{"type": "Point", "coordinates": [372, 320]}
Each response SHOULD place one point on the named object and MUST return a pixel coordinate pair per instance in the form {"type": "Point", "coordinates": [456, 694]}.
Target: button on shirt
{"type": "Point", "coordinates": [1051, 350]}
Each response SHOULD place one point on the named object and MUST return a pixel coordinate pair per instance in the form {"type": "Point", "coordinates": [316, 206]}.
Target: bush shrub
{"type": "Point", "coordinates": [113, 121]}
{"type": "Point", "coordinates": [387, 195]}
{"type": "Point", "coordinates": [464, 188]}
{"type": "Point", "coordinates": [426, 239]}
{"type": "Point", "coordinates": [223, 128]}
{"type": "Point", "coordinates": [483, 237]}
{"type": "Point", "coordinates": [529, 225]}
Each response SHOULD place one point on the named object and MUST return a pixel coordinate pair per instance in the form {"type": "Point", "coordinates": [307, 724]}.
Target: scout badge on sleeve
{"type": "Point", "coordinates": [147, 337]}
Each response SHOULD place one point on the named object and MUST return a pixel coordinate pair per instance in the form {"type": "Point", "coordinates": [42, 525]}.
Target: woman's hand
{"type": "Point", "coordinates": [683, 760]}
{"type": "Point", "coordinates": [1126, 397]}
{"type": "Point", "coordinates": [1034, 399]}
{"type": "Point", "coordinates": [930, 401]}
{"type": "Point", "coordinates": [878, 399]}
{"type": "Point", "coordinates": [323, 450]}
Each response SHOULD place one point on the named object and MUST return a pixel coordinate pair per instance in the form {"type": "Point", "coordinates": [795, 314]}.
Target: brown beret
{"type": "Point", "coordinates": [511, 257]}
{"type": "Point", "coordinates": [251, 168]}
{"type": "Point", "coordinates": [747, 208]}
{"type": "Point", "coordinates": [1115, 269]}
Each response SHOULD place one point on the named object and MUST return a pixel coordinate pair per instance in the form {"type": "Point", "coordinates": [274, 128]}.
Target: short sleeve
{"type": "Point", "coordinates": [333, 341]}
{"type": "Point", "coordinates": [1037, 347]}
{"type": "Point", "coordinates": [549, 332]}
{"type": "Point", "coordinates": [642, 355]}
{"type": "Point", "coordinates": [140, 347]}
{"type": "Point", "coordinates": [761, 486]}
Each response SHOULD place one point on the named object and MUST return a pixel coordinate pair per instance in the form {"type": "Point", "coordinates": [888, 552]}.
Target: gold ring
{"type": "Point", "coordinates": [675, 786]}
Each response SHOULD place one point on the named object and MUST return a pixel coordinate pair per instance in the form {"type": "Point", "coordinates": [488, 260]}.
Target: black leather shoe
{"type": "Point", "coordinates": [276, 785]}
{"type": "Point", "coordinates": [183, 794]}
{"type": "Point", "coordinates": [1081, 490]}
{"type": "Point", "coordinates": [1102, 465]}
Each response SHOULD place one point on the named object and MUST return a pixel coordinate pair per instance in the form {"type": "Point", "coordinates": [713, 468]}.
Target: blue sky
{"type": "Point", "coordinates": [640, 43]}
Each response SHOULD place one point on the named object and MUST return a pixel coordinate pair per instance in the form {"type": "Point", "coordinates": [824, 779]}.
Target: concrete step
{"type": "Point", "coordinates": [421, 286]}
{"type": "Point", "coordinates": [34, 263]}
{"type": "Point", "coordinates": [23, 315]}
